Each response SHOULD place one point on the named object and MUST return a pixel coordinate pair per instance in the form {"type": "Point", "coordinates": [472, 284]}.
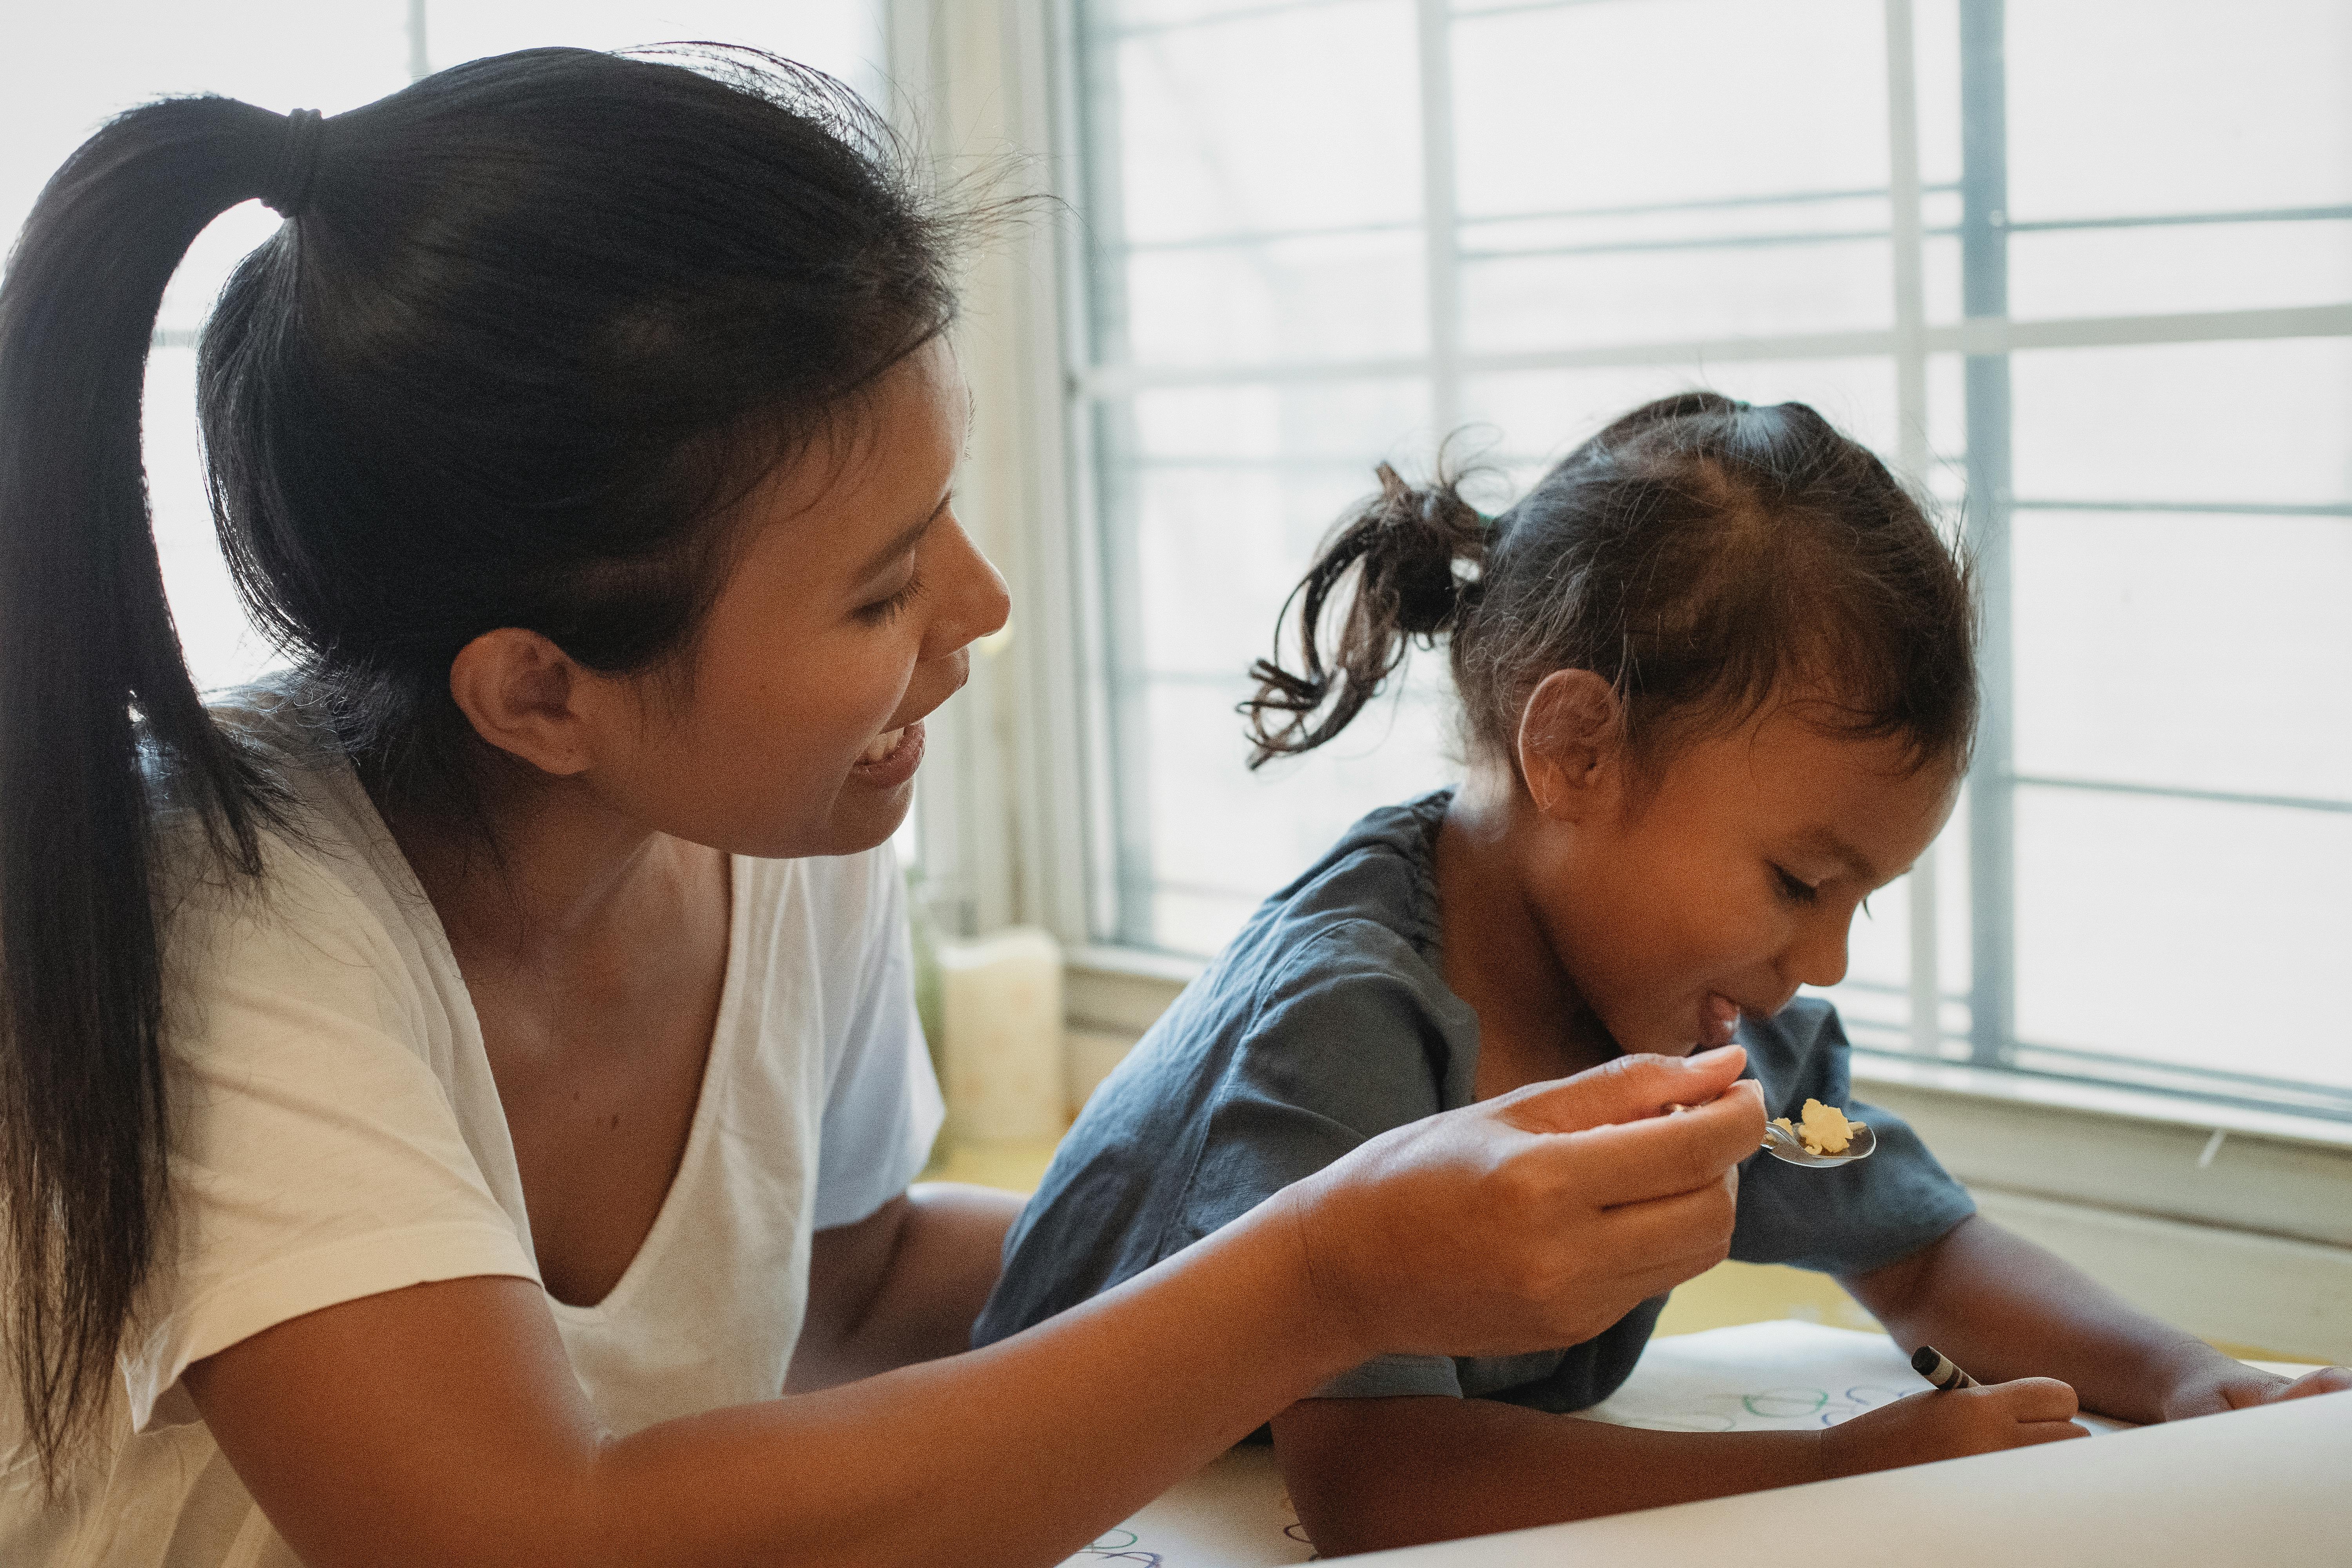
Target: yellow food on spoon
{"type": "Point", "coordinates": [1825, 1130]}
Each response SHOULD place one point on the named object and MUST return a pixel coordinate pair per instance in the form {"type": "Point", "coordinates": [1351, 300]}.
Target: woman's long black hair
{"type": "Point", "coordinates": [532, 325]}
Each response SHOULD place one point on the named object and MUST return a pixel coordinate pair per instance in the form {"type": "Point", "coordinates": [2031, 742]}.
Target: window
{"type": "Point", "coordinates": [2086, 271]}
{"type": "Point", "coordinates": [67, 68]}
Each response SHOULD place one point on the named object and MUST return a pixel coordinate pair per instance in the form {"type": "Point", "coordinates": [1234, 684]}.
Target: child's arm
{"type": "Point", "coordinates": [1367, 1475]}
{"type": "Point", "coordinates": [2003, 1307]}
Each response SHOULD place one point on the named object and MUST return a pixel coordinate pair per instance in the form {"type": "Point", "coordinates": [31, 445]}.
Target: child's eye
{"type": "Point", "coordinates": [882, 611]}
{"type": "Point", "coordinates": [1795, 892]}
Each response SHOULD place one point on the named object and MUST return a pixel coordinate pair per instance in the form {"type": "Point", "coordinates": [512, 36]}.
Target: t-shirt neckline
{"type": "Point", "coordinates": [698, 1134]}
{"type": "Point", "coordinates": [403, 876]}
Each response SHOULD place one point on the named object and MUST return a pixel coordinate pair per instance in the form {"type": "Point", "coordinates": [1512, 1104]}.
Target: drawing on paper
{"type": "Point", "coordinates": [1120, 1546]}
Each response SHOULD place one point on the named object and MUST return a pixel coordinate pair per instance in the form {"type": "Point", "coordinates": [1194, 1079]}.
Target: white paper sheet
{"type": "Point", "coordinates": [2255, 1488]}
{"type": "Point", "coordinates": [1234, 1514]}
{"type": "Point", "coordinates": [1756, 1377]}
{"type": "Point", "coordinates": [1765, 1377]}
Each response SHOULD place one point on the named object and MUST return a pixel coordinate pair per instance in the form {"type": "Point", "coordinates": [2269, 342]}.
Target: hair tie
{"type": "Point", "coordinates": [287, 189]}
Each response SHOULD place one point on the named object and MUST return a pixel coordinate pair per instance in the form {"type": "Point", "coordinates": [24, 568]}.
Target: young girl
{"type": "Point", "coordinates": [1717, 685]}
{"type": "Point", "coordinates": [448, 1095]}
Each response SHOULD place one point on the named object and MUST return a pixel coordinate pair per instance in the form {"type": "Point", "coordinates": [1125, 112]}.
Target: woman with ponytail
{"type": "Point", "coordinates": [458, 1100]}
{"type": "Point", "coordinates": [1718, 685]}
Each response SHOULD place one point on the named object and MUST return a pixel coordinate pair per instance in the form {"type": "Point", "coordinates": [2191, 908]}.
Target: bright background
{"type": "Point", "coordinates": [1319, 234]}
{"type": "Point", "coordinates": [1310, 234]}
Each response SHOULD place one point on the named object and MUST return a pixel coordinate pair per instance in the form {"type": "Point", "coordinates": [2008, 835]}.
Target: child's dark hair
{"type": "Point", "coordinates": [1701, 554]}
{"type": "Point", "coordinates": [532, 327]}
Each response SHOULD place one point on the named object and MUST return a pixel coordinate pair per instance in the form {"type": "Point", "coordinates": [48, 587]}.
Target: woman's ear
{"type": "Point", "coordinates": [1571, 741]}
{"type": "Point", "coordinates": [524, 695]}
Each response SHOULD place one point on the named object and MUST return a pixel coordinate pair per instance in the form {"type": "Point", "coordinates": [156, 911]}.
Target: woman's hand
{"type": "Point", "coordinates": [1928, 1426]}
{"type": "Point", "coordinates": [1536, 1219]}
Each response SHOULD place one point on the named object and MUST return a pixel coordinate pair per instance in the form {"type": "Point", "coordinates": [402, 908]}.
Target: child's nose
{"type": "Point", "coordinates": [1817, 957]}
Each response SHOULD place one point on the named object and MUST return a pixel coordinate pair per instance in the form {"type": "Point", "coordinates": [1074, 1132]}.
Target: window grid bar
{"type": "Point", "coordinates": [1987, 336]}
{"type": "Point", "coordinates": [2181, 791]}
{"type": "Point", "coordinates": [1984, 289]}
{"type": "Point", "coordinates": [1442, 238]}
{"type": "Point", "coordinates": [1236, 238]}
{"type": "Point", "coordinates": [1482, 13]}
{"type": "Point", "coordinates": [1700, 242]}
{"type": "Point", "coordinates": [2211, 508]}
{"type": "Point", "coordinates": [1906, 217]}
{"type": "Point", "coordinates": [1832, 236]}
{"type": "Point", "coordinates": [420, 58]}
{"type": "Point", "coordinates": [1808, 236]}
{"type": "Point", "coordinates": [1247, 237]}
{"type": "Point", "coordinates": [1704, 203]}
{"type": "Point", "coordinates": [2168, 220]}
{"type": "Point", "coordinates": [1108, 36]}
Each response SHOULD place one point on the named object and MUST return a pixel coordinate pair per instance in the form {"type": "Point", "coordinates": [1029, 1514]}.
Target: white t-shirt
{"type": "Point", "coordinates": [339, 1134]}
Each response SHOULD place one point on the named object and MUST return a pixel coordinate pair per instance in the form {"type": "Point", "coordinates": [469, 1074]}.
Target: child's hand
{"type": "Point", "coordinates": [1533, 1220]}
{"type": "Point", "coordinates": [1926, 1428]}
{"type": "Point", "coordinates": [2227, 1385]}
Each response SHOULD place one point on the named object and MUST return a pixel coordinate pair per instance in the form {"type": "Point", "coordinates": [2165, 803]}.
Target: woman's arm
{"type": "Point", "coordinates": [2004, 1308]}
{"type": "Point", "coordinates": [901, 1286]}
{"type": "Point", "coordinates": [443, 1424]}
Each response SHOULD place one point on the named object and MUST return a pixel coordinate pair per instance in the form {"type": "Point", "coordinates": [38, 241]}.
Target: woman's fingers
{"type": "Point", "coordinates": [1669, 1231]}
{"type": "Point", "coordinates": [1629, 1088]}
{"type": "Point", "coordinates": [1633, 1162]}
{"type": "Point", "coordinates": [1538, 1219]}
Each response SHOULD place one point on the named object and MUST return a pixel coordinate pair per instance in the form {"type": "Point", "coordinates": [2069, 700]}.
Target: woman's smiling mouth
{"type": "Point", "coordinates": [892, 758]}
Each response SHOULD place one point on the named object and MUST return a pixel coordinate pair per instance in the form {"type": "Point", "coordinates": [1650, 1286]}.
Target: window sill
{"type": "Point", "coordinates": [2103, 1100]}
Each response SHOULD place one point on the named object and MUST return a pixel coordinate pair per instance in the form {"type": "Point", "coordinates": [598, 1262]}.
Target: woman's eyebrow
{"type": "Point", "coordinates": [902, 543]}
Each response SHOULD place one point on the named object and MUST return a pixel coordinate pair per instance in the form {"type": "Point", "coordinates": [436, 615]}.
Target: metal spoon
{"type": "Point", "coordinates": [1783, 1144]}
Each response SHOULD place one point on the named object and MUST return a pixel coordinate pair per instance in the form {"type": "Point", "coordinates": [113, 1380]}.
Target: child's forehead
{"type": "Point", "coordinates": [1869, 803]}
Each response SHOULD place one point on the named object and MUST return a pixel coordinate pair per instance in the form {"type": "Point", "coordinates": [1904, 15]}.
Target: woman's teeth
{"type": "Point", "coordinates": [883, 745]}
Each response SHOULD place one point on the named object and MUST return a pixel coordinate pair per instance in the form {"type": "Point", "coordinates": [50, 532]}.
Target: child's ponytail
{"type": "Point", "coordinates": [1700, 554]}
{"type": "Point", "coordinates": [1403, 545]}
{"type": "Point", "coordinates": [97, 710]}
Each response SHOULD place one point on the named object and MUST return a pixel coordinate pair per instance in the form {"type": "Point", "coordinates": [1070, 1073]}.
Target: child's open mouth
{"type": "Point", "coordinates": [892, 757]}
{"type": "Point", "coordinates": [1718, 1018]}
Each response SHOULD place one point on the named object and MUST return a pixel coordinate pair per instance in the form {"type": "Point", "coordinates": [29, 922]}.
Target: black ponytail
{"type": "Point", "coordinates": [532, 328]}
{"type": "Point", "coordinates": [1402, 545]}
{"type": "Point", "coordinates": [95, 710]}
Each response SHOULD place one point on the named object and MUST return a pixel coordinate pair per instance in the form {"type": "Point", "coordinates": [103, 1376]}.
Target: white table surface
{"type": "Point", "coordinates": [2258, 1487]}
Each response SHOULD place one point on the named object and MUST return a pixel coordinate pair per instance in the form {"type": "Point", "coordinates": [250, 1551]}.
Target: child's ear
{"type": "Point", "coordinates": [524, 695]}
{"type": "Point", "coordinates": [1571, 738]}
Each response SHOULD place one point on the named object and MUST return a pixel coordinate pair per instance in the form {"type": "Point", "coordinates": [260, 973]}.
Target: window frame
{"type": "Point", "coordinates": [1994, 1060]}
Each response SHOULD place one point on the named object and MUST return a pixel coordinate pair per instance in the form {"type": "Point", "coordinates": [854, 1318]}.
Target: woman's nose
{"type": "Point", "coordinates": [973, 601]}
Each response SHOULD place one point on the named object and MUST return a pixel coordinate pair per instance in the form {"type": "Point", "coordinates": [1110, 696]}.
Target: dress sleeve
{"type": "Point", "coordinates": [882, 1109]}
{"type": "Point", "coordinates": [315, 1157]}
{"type": "Point", "coordinates": [1346, 1043]}
{"type": "Point", "coordinates": [1853, 1218]}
